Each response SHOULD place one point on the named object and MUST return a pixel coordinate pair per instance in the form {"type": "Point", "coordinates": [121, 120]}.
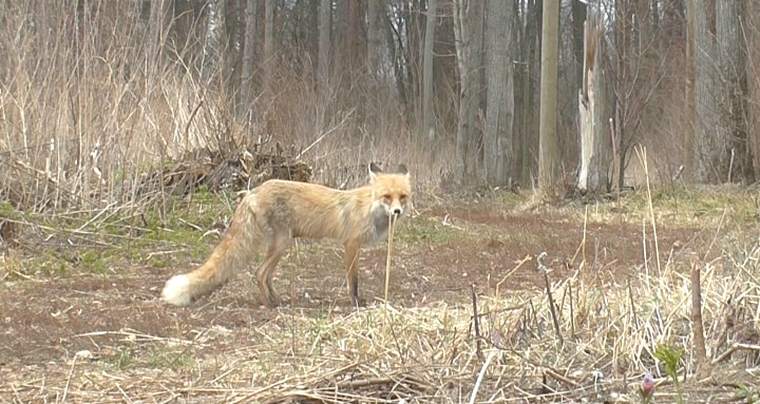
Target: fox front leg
{"type": "Point", "coordinates": [352, 273]}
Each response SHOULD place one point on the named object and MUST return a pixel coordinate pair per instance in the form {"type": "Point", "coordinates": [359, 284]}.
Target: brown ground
{"type": "Point", "coordinates": [45, 321]}
{"type": "Point", "coordinates": [43, 318]}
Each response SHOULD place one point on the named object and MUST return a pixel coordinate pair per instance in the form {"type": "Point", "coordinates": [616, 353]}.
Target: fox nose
{"type": "Point", "coordinates": [397, 211]}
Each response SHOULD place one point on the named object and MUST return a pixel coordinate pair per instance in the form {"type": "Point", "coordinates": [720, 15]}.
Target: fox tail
{"type": "Point", "coordinates": [233, 252]}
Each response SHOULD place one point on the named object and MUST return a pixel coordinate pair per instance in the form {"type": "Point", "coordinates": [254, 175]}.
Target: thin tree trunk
{"type": "Point", "coordinates": [711, 149]}
{"type": "Point", "coordinates": [530, 88]}
{"type": "Point", "coordinates": [155, 37]}
{"type": "Point", "coordinates": [548, 156]}
{"type": "Point", "coordinates": [215, 34]}
{"type": "Point", "coordinates": [427, 74]}
{"type": "Point", "coordinates": [468, 30]}
{"type": "Point", "coordinates": [733, 99]}
{"type": "Point", "coordinates": [375, 37]}
{"type": "Point", "coordinates": [248, 55]}
{"type": "Point", "coordinates": [323, 70]}
{"type": "Point", "coordinates": [579, 17]}
{"type": "Point", "coordinates": [497, 139]}
{"type": "Point", "coordinates": [268, 44]}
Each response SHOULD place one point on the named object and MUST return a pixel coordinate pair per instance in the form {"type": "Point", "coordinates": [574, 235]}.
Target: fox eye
{"type": "Point", "coordinates": [402, 197]}
{"type": "Point", "coordinates": [387, 196]}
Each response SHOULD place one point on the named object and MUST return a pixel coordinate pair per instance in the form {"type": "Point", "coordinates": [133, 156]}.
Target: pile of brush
{"type": "Point", "coordinates": [231, 170]}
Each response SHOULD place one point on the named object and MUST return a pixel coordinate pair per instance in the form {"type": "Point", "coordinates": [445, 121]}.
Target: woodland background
{"type": "Point", "coordinates": [95, 94]}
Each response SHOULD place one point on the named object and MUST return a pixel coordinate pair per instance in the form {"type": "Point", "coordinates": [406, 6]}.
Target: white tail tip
{"type": "Point", "coordinates": [177, 290]}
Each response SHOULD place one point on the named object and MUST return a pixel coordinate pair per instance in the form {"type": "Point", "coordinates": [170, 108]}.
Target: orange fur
{"type": "Point", "coordinates": [277, 211]}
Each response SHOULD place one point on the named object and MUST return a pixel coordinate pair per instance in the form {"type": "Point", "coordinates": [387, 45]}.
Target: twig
{"type": "Point", "coordinates": [582, 245]}
{"type": "Point", "coordinates": [124, 394]}
{"type": "Point", "coordinates": [552, 309]}
{"type": "Point", "coordinates": [512, 271]}
{"type": "Point", "coordinates": [322, 136]}
{"type": "Point", "coordinates": [68, 379]}
{"type": "Point", "coordinates": [481, 375]}
{"type": "Point", "coordinates": [634, 317]}
{"type": "Point", "coordinates": [642, 154]}
{"type": "Point", "coordinates": [572, 314]}
{"type": "Point", "coordinates": [476, 322]}
{"type": "Point", "coordinates": [715, 236]}
{"type": "Point", "coordinates": [696, 319]}
{"type": "Point", "coordinates": [551, 373]}
{"type": "Point", "coordinates": [735, 347]}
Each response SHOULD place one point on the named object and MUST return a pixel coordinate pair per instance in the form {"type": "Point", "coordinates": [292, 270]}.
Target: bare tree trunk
{"type": "Point", "coordinates": [268, 44]}
{"type": "Point", "coordinates": [548, 155]}
{"type": "Point", "coordinates": [497, 138]}
{"type": "Point", "coordinates": [375, 37]}
{"type": "Point", "coordinates": [579, 17]}
{"type": "Point", "coordinates": [323, 69]}
{"type": "Point", "coordinates": [733, 97]}
{"type": "Point", "coordinates": [691, 113]}
{"type": "Point", "coordinates": [526, 79]}
{"type": "Point", "coordinates": [248, 55]}
{"type": "Point", "coordinates": [213, 51]}
{"type": "Point", "coordinates": [595, 113]}
{"type": "Point", "coordinates": [711, 150]}
{"type": "Point", "coordinates": [468, 31]}
{"type": "Point", "coordinates": [154, 47]}
{"type": "Point", "coordinates": [427, 74]}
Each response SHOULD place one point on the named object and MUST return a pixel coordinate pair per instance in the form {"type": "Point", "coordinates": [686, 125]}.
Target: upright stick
{"type": "Point", "coordinates": [388, 258]}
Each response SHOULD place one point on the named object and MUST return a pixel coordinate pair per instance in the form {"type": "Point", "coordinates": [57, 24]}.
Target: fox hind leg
{"type": "Point", "coordinates": [276, 249]}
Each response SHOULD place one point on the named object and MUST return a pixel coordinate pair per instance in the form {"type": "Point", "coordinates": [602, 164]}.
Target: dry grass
{"type": "Point", "coordinates": [611, 330]}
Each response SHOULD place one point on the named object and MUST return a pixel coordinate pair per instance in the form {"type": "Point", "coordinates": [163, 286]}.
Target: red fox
{"type": "Point", "coordinates": [277, 211]}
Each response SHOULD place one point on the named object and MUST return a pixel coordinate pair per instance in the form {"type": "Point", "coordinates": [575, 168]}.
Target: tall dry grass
{"type": "Point", "coordinates": [86, 109]}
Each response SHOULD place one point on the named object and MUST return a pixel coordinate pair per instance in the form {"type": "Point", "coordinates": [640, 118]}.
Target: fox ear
{"type": "Point", "coordinates": [402, 169]}
{"type": "Point", "coordinates": [374, 169]}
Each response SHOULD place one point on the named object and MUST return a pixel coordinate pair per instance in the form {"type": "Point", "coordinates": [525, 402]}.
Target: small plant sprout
{"type": "Point", "coordinates": [647, 388]}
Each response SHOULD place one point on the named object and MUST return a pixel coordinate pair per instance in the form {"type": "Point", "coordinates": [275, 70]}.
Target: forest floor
{"type": "Point", "coordinates": [81, 319]}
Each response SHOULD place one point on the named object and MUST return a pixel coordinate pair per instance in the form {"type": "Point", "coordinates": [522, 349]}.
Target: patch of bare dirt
{"type": "Point", "coordinates": [46, 320]}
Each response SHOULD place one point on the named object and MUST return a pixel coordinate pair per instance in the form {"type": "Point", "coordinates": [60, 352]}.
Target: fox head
{"type": "Point", "coordinates": [391, 191]}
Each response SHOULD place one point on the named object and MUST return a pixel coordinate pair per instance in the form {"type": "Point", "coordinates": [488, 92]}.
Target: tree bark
{"type": "Point", "coordinates": [579, 17]}
{"type": "Point", "coordinates": [595, 113]}
{"type": "Point", "coordinates": [548, 155]}
{"type": "Point", "coordinates": [268, 43]}
{"type": "Point", "coordinates": [468, 31]}
{"type": "Point", "coordinates": [733, 97]}
{"type": "Point", "coordinates": [710, 149]}
{"type": "Point", "coordinates": [526, 88]}
{"type": "Point", "coordinates": [323, 68]}
{"type": "Point", "coordinates": [154, 47]}
{"type": "Point", "coordinates": [375, 37]}
{"type": "Point", "coordinates": [215, 38]}
{"type": "Point", "coordinates": [427, 74]}
{"type": "Point", "coordinates": [497, 139]}
{"type": "Point", "coordinates": [246, 75]}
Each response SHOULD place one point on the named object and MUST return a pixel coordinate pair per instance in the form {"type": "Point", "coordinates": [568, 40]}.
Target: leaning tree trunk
{"type": "Point", "coordinates": [468, 31]}
{"type": "Point", "coordinates": [548, 153]}
{"type": "Point", "coordinates": [497, 139]}
{"type": "Point", "coordinates": [733, 97]}
{"type": "Point", "coordinates": [595, 113]}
